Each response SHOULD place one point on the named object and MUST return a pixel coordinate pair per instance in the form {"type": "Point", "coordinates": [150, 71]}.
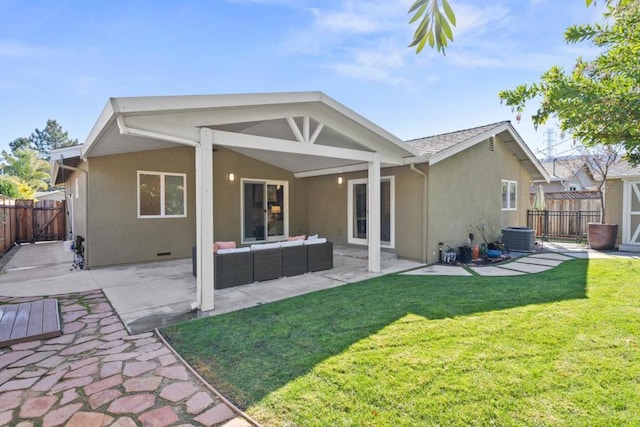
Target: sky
{"type": "Point", "coordinates": [63, 59]}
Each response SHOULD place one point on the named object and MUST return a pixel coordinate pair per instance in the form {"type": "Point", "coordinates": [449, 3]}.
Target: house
{"type": "Point", "coordinates": [622, 201]}
{"type": "Point", "coordinates": [158, 175]}
{"type": "Point", "coordinates": [568, 173]}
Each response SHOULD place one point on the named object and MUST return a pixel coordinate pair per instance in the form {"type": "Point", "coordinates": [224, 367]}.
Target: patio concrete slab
{"type": "Point", "coordinates": [525, 268]}
{"type": "Point", "coordinates": [540, 261]}
{"type": "Point", "coordinates": [495, 271]}
{"type": "Point", "coordinates": [552, 256]}
{"type": "Point", "coordinates": [439, 270]}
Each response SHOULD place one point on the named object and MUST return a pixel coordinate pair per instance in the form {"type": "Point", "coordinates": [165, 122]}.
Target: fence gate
{"type": "Point", "coordinates": [561, 225]}
{"type": "Point", "coordinates": [40, 221]}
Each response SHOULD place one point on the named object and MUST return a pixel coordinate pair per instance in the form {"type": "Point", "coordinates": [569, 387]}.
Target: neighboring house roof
{"type": "Point", "coordinates": [563, 168]}
{"type": "Point", "coordinates": [50, 195]}
{"type": "Point", "coordinates": [433, 149]}
{"type": "Point", "coordinates": [572, 195]}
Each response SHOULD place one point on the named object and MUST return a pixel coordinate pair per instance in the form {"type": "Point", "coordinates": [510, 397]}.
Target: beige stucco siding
{"type": "Point", "coordinates": [75, 188]}
{"type": "Point", "coordinates": [614, 193]}
{"type": "Point", "coordinates": [328, 210]}
{"type": "Point", "coordinates": [465, 190]}
{"type": "Point", "coordinates": [116, 234]}
{"type": "Point", "coordinates": [227, 204]}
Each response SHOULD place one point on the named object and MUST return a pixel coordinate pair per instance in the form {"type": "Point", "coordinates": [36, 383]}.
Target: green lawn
{"type": "Point", "coordinates": [555, 348]}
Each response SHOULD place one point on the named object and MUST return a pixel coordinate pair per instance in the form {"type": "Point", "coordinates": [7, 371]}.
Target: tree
{"type": "Point", "coordinates": [599, 100]}
{"type": "Point", "coordinates": [43, 141]}
{"type": "Point", "coordinates": [600, 158]}
{"type": "Point", "coordinates": [28, 167]}
{"type": "Point", "coordinates": [19, 143]}
{"type": "Point", "coordinates": [9, 187]}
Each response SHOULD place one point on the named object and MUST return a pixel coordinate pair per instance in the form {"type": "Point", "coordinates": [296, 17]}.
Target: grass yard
{"type": "Point", "coordinates": [556, 348]}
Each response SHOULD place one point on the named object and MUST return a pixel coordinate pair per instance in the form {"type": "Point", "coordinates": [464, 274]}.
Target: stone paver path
{"type": "Point", "coordinates": [96, 374]}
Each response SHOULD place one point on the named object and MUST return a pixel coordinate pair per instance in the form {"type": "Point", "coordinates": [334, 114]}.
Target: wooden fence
{"type": "Point", "coordinates": [26, 221]}
{"type": "Point", "coordinates": [8, 231]}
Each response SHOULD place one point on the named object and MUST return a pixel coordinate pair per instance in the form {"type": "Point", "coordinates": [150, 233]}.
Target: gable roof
{"type": "Point", "coordinates": [303, 132]}
{"type": "Point", "coordinates": [623, 169]}
{"type": "Point", "coordinates": [436, 148]}
{"type": "Point", "coordinates": [430, 145]}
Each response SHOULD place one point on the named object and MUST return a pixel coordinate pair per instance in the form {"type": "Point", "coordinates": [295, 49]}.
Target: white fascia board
{"type": "Point", "coordinates": [231, 139]}
{"type": "Point", "coordinates": [146, 104]}
{"type": "Point", "coordinates": [524, 147]}
{"type": "Point", "coordinates": [106, 117]}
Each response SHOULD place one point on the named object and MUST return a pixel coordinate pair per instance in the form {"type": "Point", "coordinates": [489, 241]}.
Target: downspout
{"type": "Point", "coordinates": [424, 210]}
{"type": "Point", "coordinates": [85, 173]}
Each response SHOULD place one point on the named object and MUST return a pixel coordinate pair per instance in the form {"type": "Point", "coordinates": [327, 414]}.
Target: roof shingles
{"type": "Point", "coordinates": [431, 145]}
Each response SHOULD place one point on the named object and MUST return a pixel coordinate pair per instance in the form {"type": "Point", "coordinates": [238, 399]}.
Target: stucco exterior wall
{"type": "Point", "coordinates": [328, 208]}
{"type": "Point", "coordinates": [116, 235]}
{"type": "Point", "coordinates": [466, 189]}
{"type": "Point", "coordinates": [76, 206]}
{"type": "Point", "coordinates": [227, 205]}
{"type": "Point", "coordinates": [614, 193]}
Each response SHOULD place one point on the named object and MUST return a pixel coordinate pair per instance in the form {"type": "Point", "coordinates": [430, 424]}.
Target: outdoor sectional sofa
{"type": "Point", "coordinates": [234, 267]}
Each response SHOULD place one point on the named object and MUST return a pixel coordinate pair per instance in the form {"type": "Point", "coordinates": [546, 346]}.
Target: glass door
{"type": "Point", "coordinates": [357, 220]}
{"type": "Point", "coordinates": [264, 210]}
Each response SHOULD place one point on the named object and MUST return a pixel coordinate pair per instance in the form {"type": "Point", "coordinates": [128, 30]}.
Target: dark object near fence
{"type": "Point", "coordinates": [570, 226]}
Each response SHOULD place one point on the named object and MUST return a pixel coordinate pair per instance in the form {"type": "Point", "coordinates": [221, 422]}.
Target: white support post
{"type": "Point", "coordinates": [373, 214]}
{"type": "Point", "coordinates": [204, 220]}
{"type": "Point", "coordinates": [305, 129]}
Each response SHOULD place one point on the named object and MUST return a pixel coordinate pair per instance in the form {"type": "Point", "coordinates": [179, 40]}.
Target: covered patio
{"type": "Point", "coordinates": [307, 134]}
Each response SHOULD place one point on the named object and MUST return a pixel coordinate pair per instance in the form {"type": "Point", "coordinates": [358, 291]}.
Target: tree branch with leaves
{"type": "Point", "coordinates": [598, 102]}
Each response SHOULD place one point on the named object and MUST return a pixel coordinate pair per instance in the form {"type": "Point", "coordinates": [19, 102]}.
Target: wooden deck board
{"type": "Point", "coordinates": [29, 321]}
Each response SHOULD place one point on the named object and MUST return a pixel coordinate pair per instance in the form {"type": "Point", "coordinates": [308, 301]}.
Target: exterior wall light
{"type": "Point", "coordinates": [231, 177]}
{"type": "Point", "coordinates": [340, 180]}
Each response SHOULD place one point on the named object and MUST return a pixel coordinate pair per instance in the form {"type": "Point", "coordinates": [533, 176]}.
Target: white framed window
{"type": "Point", "coordinates": [264, 211]}
{"type": "Point", "coordinates": [357, 211]}
{"type": "Point", "coordinates": [162, 195]}
{"type": "Point", "coordinates": [509, 195]}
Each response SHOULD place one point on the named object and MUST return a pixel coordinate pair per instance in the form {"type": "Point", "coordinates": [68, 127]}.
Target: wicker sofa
{"type": "Point", "coordinates": [241, 267]}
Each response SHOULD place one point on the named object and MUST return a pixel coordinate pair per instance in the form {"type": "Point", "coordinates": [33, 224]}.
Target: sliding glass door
{"type": "Point", "coordinates": [264, 210]}
{"type": "Point", "coordinates": [357, 220]}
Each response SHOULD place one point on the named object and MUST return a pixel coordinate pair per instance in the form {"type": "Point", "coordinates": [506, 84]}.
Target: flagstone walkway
{"type": "Point", "coordinates": [519, 265]}
{"type": "Point", "coordinates": [96, 374]}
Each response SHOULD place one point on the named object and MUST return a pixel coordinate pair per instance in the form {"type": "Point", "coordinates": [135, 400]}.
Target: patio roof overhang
{"type": "Point", "coordinates": [306, 133]}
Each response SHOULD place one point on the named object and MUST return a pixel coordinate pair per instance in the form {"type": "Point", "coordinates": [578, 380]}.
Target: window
{"type": "Point", "coordinates": [573, 187]}
{"type": "Point", "coordinates": [162, 195]}
{"type": "Point", "coordinates": [357, 211]}
{"type": "Point", "coordinates": [509, 195]}
{"type": "Point", "coordinates": [265, 213]}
